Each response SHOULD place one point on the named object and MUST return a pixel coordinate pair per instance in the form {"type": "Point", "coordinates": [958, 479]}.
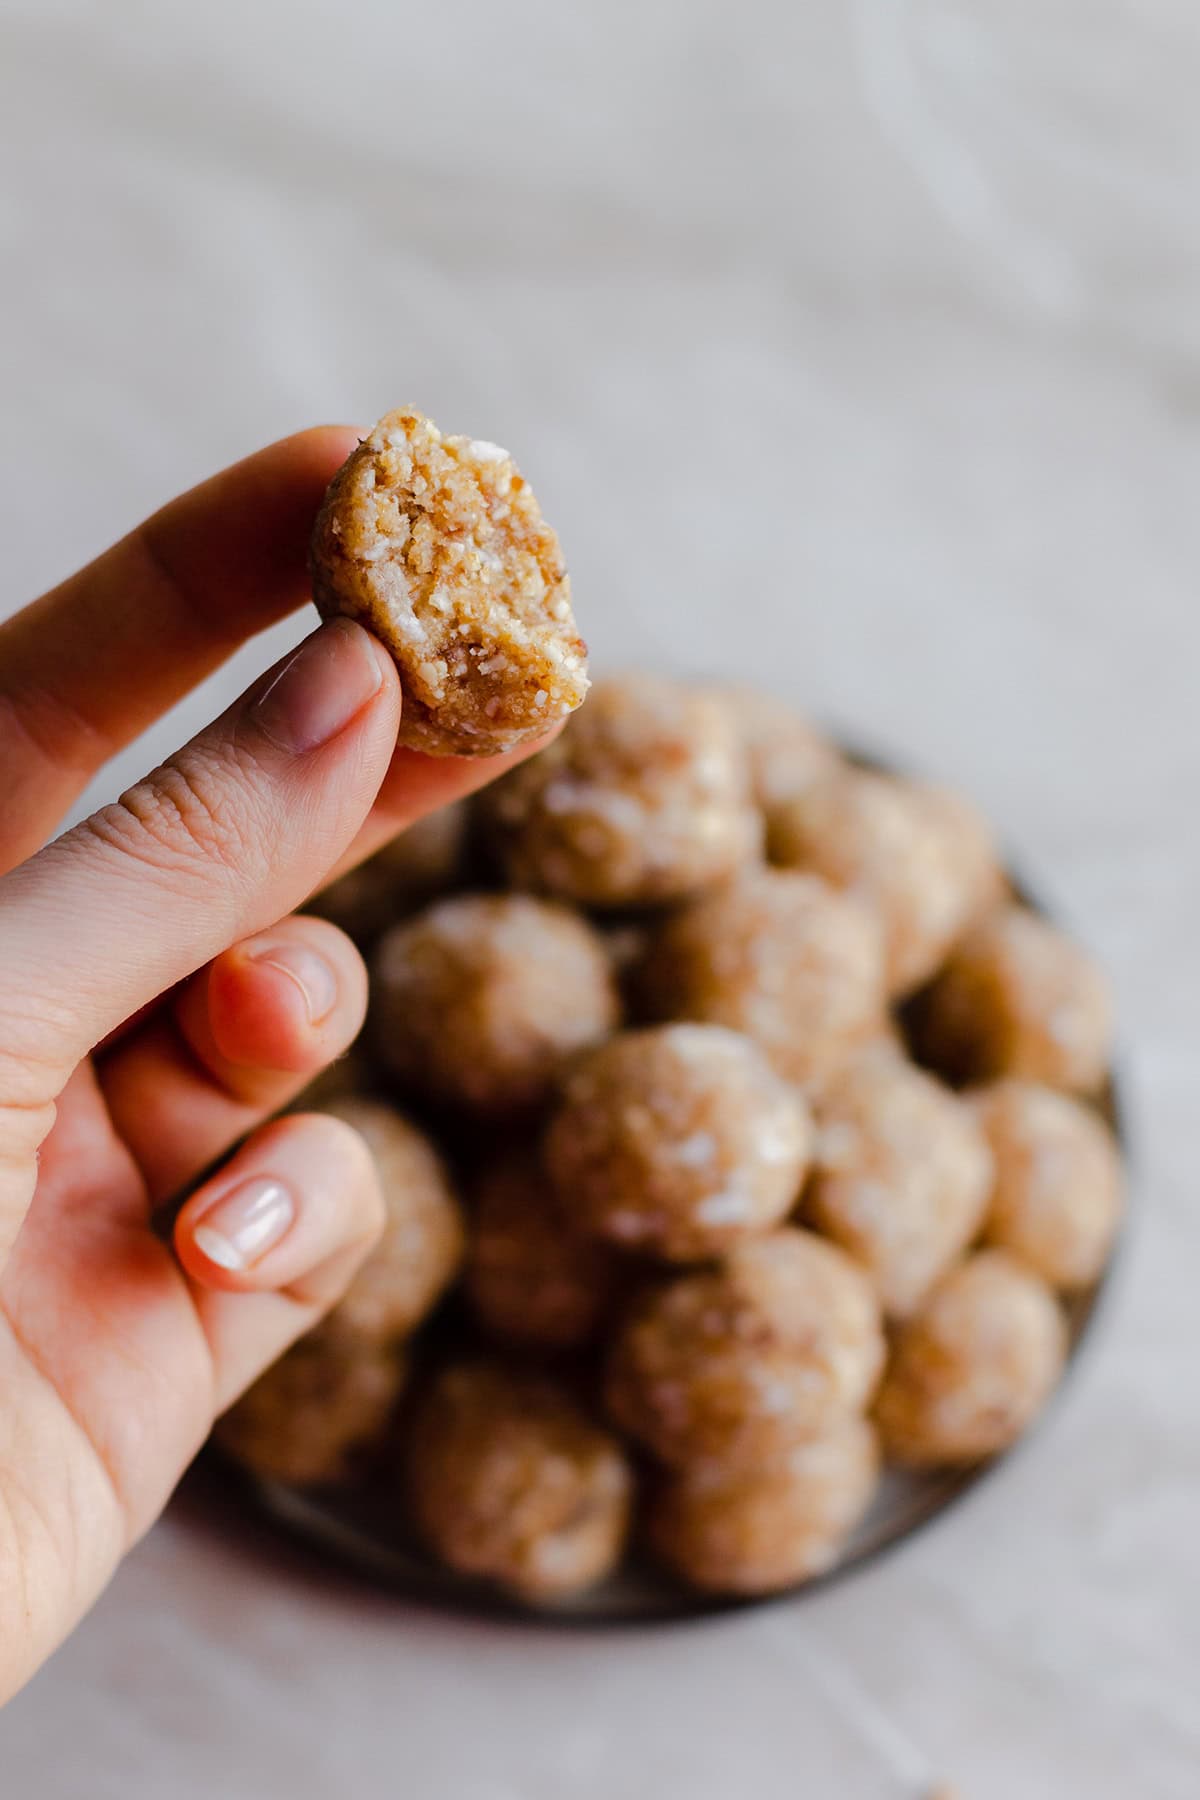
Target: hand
{"type": "Point", "coordinates": [162, 920]}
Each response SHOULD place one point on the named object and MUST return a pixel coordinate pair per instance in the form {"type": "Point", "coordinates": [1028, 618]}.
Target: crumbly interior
{"type": "Point", "coordinates": [438, 545]}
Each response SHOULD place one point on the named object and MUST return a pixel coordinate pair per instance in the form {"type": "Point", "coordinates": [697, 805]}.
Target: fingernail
{"type": "Point", "coordinates": [320, 688]}
{"type": "Point", "coordinates": [243, 1224]}
{"type": "Point", "coordinates": [306, 970]}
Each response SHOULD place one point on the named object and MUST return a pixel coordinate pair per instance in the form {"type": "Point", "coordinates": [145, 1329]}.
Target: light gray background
{"type": "Point", "coordinates": [849, 345]}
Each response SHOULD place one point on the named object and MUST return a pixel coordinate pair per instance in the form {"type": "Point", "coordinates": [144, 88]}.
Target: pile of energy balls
{"type": "Point", "coordinates": [738, 1132]}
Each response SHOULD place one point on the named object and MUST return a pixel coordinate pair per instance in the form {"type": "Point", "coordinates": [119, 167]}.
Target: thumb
{"type": "Point", "coordinates": [227, 836]}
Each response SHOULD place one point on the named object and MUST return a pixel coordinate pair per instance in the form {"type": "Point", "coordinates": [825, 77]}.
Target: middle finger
{"type": "Point", "coordinates": [237, 1042]}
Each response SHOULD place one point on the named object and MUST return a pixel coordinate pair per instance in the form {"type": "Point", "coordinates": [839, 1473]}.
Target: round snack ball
{"type": "Point", "coordinates": [319, 1412]}
{"type": "Point", "coordinates": [423, 861]}
{"type": "Point", "coordinates": [779, 956]}
{"type": "Point", "coordinates": [759, 1530]}
{"type": "Point", "coordinates": [975, 1366]}
{"type": "Point", "coordinates": [421, 1247]}
{"type": "Point", "coordinates": [1059, 1184]}
{"type": "Point", "coordinates": [738, 1363]}
{"type": "Point", "coordinates": [921, 856]}
{"type": "Point", "coordinates": [508, 1480]}
{"type": "Point", "coordinates": [677, 1141]}
{"type": "Point", "coordinates": [787, 755]}
{"type": "Point", "coordinates": [529, 1278]}
{"type": "Point", "coordinates": [480, 1000]}
{"type": "Point", "coordinates": [1018, 998]}
{"type": "Point", "coordinates": [437, 545]}
{"type": "Point", "coordinates": [644, 798]}
{"type": "Point", "coordinates": [901, 1177]}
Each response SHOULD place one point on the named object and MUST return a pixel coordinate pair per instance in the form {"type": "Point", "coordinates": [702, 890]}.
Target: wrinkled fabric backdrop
{"type": "Point", "coordinates": [852, 347]}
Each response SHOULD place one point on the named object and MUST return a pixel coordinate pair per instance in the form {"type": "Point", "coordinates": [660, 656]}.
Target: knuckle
{"type": "Point", "coordinates": [194, 809]}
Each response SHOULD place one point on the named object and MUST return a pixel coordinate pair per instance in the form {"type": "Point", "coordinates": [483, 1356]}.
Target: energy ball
{"type": "Point", "coordinates": [531, 1279]}
{"type": "Point", "coordinates": [320, 1412]}
{"type": "Point", "coordinates": [975, 1366]}
{"type": "Point", "coordinates": [644, 798]}
{"type": "Point", "coordinates": [481, 999]}
{"type": "Point", "coordinates": [421, 1247]}
{"type": "Point", "coordinates": [677, 1141]}
{"type": "Point", "coordinates": [1018, 998]}
{"type": "Point", "coordinates": [787, 755]}
{"type": "Point", "coordinates": [779, 956]}
{"type": "Point", "coordinates": [1059, 1187]}
{"type": "Point", "coordinates": [901, 1175]}
{"type": "Point", "coordinates": [509, 1481]}
{"type": "Point", "coordinates": [422, 862]}
{"type": "Point", "coordinates": [759, 1530]}
{"type": "Point", "coordinates": [921, 856]}
{"type": "Point", "coordinates": [737, 1364]}
{"type": "Point", "coordinates": [437, 545]}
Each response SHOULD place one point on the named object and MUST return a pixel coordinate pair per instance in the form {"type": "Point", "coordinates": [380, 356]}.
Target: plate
{"type": "Point", "coordinates": [361, 1530]}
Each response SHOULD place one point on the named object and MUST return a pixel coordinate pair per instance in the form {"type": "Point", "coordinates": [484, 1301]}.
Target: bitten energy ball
{"type": "Point", "coordinates": [779, 956]}
{"type": "Point", "coordinates": [787, 755]}
{"type": "Point", "coordinates": [422, 1243]}
{"type": "Point", "coordinates": [901, 1178]}
{"type": "Point", "coordinates": [510, 1481]}
{"type": "Point", "coordinates": [480, 1000]}
{"type": "Point", "coordinates": [738, 1363]}
{"type": "Point", "coordinates": [437, 545]}
{"type": "Point", "coordinates": [677, 1141]}
{"type": "Point", "coordinates": [1059, 1188]}
{"type": "Point", "coordinates": [759, 1530]}
{"type": "Point", "coordinates": [644, 798]}
{"type": "Point", "coordinates": [975, 1366]}
{"type": "Point", "coordinates": [530, 1278]}
{"type": "Point", "coordinates": [421, 862]}
{"type": "Point", "coordinates": [1018, 998]}
{"type": "Point", "coordinates": [319, 1412]}
{"type": "Point", "coordinates": [923, 857]}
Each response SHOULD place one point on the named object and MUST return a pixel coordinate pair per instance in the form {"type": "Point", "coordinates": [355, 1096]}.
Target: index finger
{"type": "Point", "coordinates": [87, 667]}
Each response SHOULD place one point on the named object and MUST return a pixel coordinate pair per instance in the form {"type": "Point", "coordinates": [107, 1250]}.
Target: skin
{"type": "Point", "coordinates": [158, 1004]}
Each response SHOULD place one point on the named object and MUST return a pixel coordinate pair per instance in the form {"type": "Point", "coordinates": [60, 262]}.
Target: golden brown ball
{"type": "Point", "coordinates": [1059, 1185]}
{"type": "Point", "coordinates": [759, 1530]}
{"type": "Point", "coordinates": [509, 1481]}
{"type": "Point", "coordinates": [975, 1366]}
{"type": "Point", "coordinates": [481, 1000]}
{"type": "Point", "coordinates": [644, 798]}
{"type": "Point", "coordinates": [779, 956]}
{"type": "Point", "coordinates": [737, 1363]}
{"type": "Point", "coordinates": [677, 1141]}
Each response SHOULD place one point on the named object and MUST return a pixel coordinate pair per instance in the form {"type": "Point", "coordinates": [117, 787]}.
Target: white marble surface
{"type": "Point", "coordinates": [856, 342]}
